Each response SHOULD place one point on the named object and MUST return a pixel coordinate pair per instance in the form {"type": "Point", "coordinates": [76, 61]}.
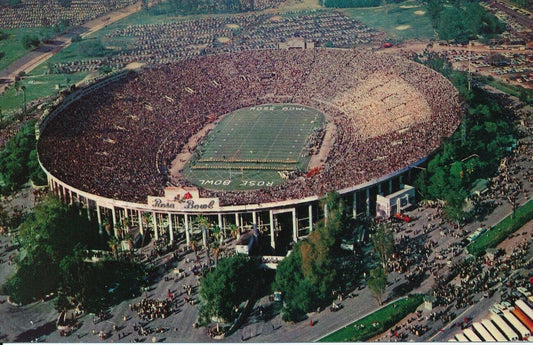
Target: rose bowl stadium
{"type": "Point", "coordinates": [253, 139]}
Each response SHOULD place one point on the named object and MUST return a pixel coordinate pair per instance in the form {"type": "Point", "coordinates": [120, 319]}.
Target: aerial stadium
{"type": "Point", "coordinates": [253, 139]}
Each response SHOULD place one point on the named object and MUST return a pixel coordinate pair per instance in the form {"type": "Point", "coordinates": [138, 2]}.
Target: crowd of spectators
{"type": "Point", "coordinates": [111, 142]}
{"type": "Point", "coordinates": [37, 13]}
{"type": "Point", "coordinates": [170, 42]}
{"type": "Point", "coordinates": [148, 309]}
{"type": "Point", "coordinates": [481, 275]}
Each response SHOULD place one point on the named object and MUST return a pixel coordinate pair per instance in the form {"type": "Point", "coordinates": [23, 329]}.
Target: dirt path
{"type": "Point", "coordinates": [187, 151]}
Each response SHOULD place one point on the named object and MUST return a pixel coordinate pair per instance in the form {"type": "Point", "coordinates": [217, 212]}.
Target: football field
{"type": "Point", "coordinates": [254, 147]}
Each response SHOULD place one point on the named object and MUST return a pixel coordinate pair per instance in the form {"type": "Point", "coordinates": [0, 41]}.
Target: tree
{"type": "Point", "coordinates": [194, 246]}
{"type": "Point", "coordinates": [54, 241]}
{"type": "Point", "coordinates": [18, 159]}
{"type": "Point", "coordinates": [47, 236]}
{"type": "Point", "coordinates": [30, 41]}
{"type": "Point", "coordinates": [307, 276]}
{"type": "Point", "coordinates": [462, 20]}
{"type": "Point", "coordinates": [62, 303]}
{"type": "Point", "coordinates": [234, 231]}
{"type": "Point", "coordinates": [113, 244]}
{"type": "Point", "coordinates": [299, 295]}
{"type": "Point", "coordinates": [524, 95]}
{"type": "Point", "coordinates": [92, 48]}
{"type": "Point", "coordinates": [317, 253]}
{"type": "Point", "coordinates": [203, 223]}
{"type": "Point", "coordinates": [383, 243]}
{"type": "Point", "coordinates": [228, 285]}
{"type": "Point", "coordinates": [216, 251]}
{"type": "Point", "coordinates": [72, 270]}
{"type": "Point", "coordinates": [455, 203]}
{"type": "Point", "coordinates": [377, 282]}
{"type": "Point", "coordinates": [217, 233]}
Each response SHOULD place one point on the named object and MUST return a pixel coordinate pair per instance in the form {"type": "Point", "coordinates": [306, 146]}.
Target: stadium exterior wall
{"type": "Point", "coordinates": [112, 211]}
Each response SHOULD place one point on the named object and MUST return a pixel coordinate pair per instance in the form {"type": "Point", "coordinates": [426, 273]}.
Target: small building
{"type": "Point", "coordinates": [296, 43]}
{"type": "Point", "coordinates": [480, 187]}
{"type": "Point", "coordinates": [428, 302]}
{"type": "Point", "coordinates": [396, 202]}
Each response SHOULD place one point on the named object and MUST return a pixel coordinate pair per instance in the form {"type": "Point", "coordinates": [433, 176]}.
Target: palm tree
{"type": "Point", "coordinates": [194, 247]}
{"type": "Point", "coordinates": [147, 220]}
{"type": "Point", "coordinates": [107, 225]}
{"type": "Point", "coordinates": [113, 244]}
{"type": "Point", "coordinates": [216, 251]}
{"type": "Point", "coordinates": [129, 238]}
{"type": "Point", "coordinates": [23, 88]}
{"type": "Point", "coordinates": [126, 222]}
{"type": "Point", "coordinates": [119, 227]}
{"type": "Point", "coordinates": [203, 222]}
{"type": "Point", "coordinates": [217, 233]}
{"type": "Point", "coordinates": [234, 231]}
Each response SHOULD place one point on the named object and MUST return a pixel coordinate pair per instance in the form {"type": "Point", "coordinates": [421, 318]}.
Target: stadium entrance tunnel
{"type": "Point", "coordinates": [284, 239]}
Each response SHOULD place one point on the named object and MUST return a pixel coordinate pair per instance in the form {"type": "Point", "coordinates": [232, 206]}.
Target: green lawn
{"type": "Point", "coordinates": [404, 21]}
{"type": "Point", "coordinates": [37, 86]}
{"type": "Point", "coordinates": [249, 146]}
{"type": "Point", "coordinates": [498, 233]}
{"type": "Point", "coordinates": [12, 47]}
{"type": "Point", "coordinates": [377, 322]}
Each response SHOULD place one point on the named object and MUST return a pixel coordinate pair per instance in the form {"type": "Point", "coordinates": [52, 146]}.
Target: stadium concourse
{"type": "Point", "coordinates": [113, 146]}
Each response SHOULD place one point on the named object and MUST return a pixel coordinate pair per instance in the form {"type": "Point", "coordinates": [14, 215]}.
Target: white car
{"type": "Point", "coordinates": [499, 306]}
{"type": "Point", "coordinates": [524, 291]}
{"type": "Point", "coordinates": [507, 305]}
{"type": "Point", "coordinates": [495, 310]}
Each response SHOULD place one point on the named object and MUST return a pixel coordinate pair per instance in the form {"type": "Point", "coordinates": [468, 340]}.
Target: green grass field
{"type": "Point", "coordinates": [377, 322]}
{"type": "Point", "coordinates": [404, 21]}
{"type": "Point", "coordinates": [249, 146]}
{"type": "Point", "coordinates": [37, 86]}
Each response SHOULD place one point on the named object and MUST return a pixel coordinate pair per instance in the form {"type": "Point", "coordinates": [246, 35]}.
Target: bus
{"type": "Point", "coordinates": [505, 328]}
{"type": "Point", "coordinates": [469, 333]}
{"type": "Point", "coordinates": [496, 334]}
{"type": "Point", "coordinates": [478, 327]}
{"type": "Point", "coordinates": [516, 324]}
{"type": "Point", "coordinates": [476, 234]}
{"type": "Point", "coordinates": [523, 318]}
{"type": "Point", "coordinates": [460, 337]}
{"type": "Point", "coordinates": [526, 309]}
